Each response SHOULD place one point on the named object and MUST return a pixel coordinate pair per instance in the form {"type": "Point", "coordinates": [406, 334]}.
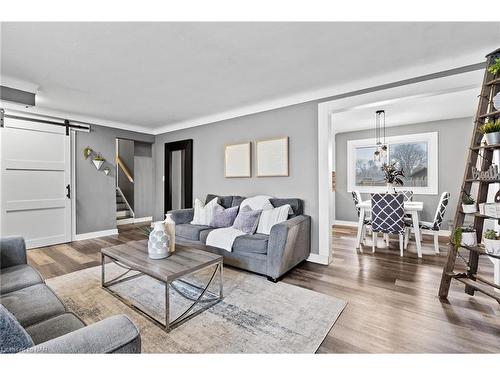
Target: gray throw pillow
{"type": "Point", "coordinates": [13, 337]}
{"type": "Point", "coordinates": [224, 217]}
{"type": "Point", "coordinates": [247, 220]}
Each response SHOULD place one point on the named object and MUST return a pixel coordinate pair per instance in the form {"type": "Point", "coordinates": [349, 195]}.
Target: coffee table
{"type": "Point", "coordinates": [133, 256]}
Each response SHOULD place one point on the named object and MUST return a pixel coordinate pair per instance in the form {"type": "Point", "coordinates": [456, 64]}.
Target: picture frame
{"type": "Point", "coordinates": [237, 160]}
{"type": "Point", "coordinates": [273, 157]}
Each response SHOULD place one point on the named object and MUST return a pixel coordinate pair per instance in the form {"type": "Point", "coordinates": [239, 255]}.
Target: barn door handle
{"type": "Point", "coordinates": [68, 192]}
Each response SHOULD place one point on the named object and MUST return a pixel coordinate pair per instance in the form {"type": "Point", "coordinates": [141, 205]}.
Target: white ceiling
{"type": "Point", "coordinates": [410, 110]}
{"type": "Point", "coordinates": [155, 75]}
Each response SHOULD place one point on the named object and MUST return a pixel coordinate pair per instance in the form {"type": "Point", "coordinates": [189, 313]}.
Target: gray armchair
{"type": "Point", "coordinates": [44, 317]}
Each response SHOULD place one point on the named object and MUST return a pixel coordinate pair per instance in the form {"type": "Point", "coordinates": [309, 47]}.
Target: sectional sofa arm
{"type": "Point", "coordinates": [182, 216]}
{"type": "Point", "coordinates": [289, 244]}
{"type": "Point", "coordinates": [12, 252]}
{"type": "Point", "coordinates": [116, 334]}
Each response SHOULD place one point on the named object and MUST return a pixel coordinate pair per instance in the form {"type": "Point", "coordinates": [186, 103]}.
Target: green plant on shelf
{"type": "Point", "coordinates": [467, 199]}
{"type": "Point", "coordinates": [491, 126]}
{"type": "Point", "coordinates": [490, 234]}
{"type": "Point", "coordinates": [495, 67]}
{"type": "Point", "coordinates": [456, 236]}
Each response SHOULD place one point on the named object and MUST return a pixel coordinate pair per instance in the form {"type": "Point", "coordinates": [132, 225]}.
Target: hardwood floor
{"type": "Point", "coordinates": [392, 301]}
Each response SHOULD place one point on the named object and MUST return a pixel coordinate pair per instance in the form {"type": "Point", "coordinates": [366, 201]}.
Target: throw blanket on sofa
{"type": "Point", "coordinates": [224, 237]}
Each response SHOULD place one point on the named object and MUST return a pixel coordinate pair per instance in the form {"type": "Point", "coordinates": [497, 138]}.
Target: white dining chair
{"type": "Point", "coordinates": [431, 227]}
{"type": "Point", "coordinates": [356, 197]}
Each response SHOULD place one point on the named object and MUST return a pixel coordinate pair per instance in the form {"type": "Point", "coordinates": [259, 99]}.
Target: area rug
{"type": "Point", "coordinates": [255, 316]}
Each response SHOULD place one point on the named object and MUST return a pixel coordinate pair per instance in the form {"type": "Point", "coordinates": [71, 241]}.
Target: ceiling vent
{"type": "Point", "coordinates": [16, 96]}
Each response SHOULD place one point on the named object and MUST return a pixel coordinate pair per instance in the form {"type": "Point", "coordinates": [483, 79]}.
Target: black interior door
{"type": "Point", "coordinates": [186, 148]}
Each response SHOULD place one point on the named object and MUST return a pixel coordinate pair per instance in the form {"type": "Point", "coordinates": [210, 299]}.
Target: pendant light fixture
{"type": "Point", "coordinates": [380, 153]}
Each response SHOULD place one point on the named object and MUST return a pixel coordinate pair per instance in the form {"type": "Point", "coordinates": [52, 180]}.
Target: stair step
{"type": "Point", "coordinates": [121, 206]}
{"type": "Point", "coordinates": [122, 214]}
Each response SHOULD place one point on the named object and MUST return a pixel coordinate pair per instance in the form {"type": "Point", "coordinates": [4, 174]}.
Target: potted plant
{"type": "Point", "coordinates": [98, 161]}
{"type": "Point", "coordinates": [468, 204]}
{"type": "Point", "coordinates": [495, 67]}
{"type": "Point", "coordinates": [491, 131]}
{"type": "Point", "coordinates": [392, 175]}
{"type": "Point", "coordinates": [469, 237]}
{"type": "Point", "coordinates": [491, 242]}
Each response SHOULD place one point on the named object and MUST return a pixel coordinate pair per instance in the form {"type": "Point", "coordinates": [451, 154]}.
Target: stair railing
{"type": "Point", "coordinates": [124, 169]}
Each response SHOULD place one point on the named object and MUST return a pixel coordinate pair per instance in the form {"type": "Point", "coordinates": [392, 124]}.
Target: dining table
{"type": "Point", "coordinates": [411, 208]}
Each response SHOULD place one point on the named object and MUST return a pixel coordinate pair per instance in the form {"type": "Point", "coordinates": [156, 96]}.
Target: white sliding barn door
{"type": "Point", "coordinates": [35, 173]}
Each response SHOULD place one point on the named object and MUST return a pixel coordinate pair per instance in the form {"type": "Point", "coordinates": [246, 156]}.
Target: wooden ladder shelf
{"type": "Point", "coordinates": [485, 112]}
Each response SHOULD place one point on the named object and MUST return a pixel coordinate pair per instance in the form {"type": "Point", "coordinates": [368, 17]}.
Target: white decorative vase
{"type": "Point", "coordinates": [469, 239]}
{"type": "Point", "coordinates": [492, 246]}
{"type": "Point", "coordinates": [496, 101]}
{"type": "Point", "coordinates": [469, 208]}
{"type": "Point", "coordinates": [98, 163]}
{"type": "Point", "coordinates": [170, 229]}
{"type": "Point", "coordinates": [390, 188]}
{"type": "Point", "coordinates": [158, 242]}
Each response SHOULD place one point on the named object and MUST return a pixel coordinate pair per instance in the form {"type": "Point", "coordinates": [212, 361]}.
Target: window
{"type": "Point", "coordinates": [416, 155]}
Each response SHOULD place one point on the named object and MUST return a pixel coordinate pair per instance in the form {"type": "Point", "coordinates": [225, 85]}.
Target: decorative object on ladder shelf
{"type": "Point", "coordinates": [469, 237]}
{"type": "Point", "coordinates": [468, 204]}
{"type": "Point", "coordinates": [491, 242]}
{"type": "Point", "coordinates": [496, 102]}
{"type": "Point", "coordinates": [158, 243]}
{"type": "Point", "coordinates": [490, 174]}
{"type": "Point", "coordinates": [491, 130]}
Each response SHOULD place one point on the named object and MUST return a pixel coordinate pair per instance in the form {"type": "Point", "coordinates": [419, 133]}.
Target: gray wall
{"type": "Point", "coordinates": [453, 137]}
{"type": "Point", "coordinates": [299, 122]}
{"type": "Point", "coordinates": [95, 192]}
{"type": "Point", "coordinates": [143, 178]}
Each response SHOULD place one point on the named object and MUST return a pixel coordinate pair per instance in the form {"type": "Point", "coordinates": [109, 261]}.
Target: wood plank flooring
{"type": "Point", "coordinates": [392, 301]}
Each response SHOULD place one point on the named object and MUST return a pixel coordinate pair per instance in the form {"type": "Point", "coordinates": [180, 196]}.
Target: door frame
{"type": "Point", "coordinates": [186, 146]}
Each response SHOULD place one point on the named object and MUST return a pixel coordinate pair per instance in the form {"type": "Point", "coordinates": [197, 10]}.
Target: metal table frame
{"type": "Point", "coordinates": [168, 325]}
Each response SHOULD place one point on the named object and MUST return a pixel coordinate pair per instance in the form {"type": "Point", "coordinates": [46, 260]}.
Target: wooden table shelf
{"type": "Point", "coordinates": [481, 251]}
{"type": "Point", "coordinates": [490, 114]}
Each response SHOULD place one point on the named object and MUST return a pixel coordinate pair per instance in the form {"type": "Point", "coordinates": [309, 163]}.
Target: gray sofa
{"type": "Point", "coordinates": [44, 317]}
{"type": "Point", "coordinates": [288, 244]}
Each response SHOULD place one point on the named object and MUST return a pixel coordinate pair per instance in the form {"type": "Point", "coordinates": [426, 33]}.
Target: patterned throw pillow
{"type": "Point", "coordinates": [224, 217]}
{"type": "Point", "coordinates": [203, 213]}
{"type": "Point", "coordinates": [273, 216]}
{"type": "Point", "coordinates": [247, 220]}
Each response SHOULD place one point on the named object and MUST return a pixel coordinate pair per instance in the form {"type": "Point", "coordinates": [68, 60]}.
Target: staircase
{"type": "Point", "coordinates": [124, 214]}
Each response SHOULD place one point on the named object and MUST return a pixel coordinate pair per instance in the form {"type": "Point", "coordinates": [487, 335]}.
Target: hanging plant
{"type": "Point", "coordinates": [98, 161]}
{"type": "Point", "coordinates": [495, 67]}
{"type": "Point", "coordinates": [87, 151]}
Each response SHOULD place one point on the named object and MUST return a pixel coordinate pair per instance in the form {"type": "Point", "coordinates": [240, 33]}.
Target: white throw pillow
{"type": "Point", "coordinates": [259, 202]}
{"type": "Point", "coordinates": [204, 213]}
{"type": "Point", "coordinates": [272, 216]}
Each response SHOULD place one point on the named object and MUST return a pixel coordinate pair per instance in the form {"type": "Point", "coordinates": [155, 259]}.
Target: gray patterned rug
{"type": "Point", "coordinates": [255, 316]}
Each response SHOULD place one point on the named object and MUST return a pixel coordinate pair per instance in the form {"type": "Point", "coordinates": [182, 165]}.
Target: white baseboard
{"type": "Point", "coordinates": [346, 223]}
{"type": "Point", "coordinates": [102, 233]}
{"type": "Point", "coordinates": [129, 220]}
{"type": "Point", "coordinates": [143, 219]}
{"type": "Point", "coordinates": [317, 258]}
{"type": "Point", "coordinates": [133, 220]}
